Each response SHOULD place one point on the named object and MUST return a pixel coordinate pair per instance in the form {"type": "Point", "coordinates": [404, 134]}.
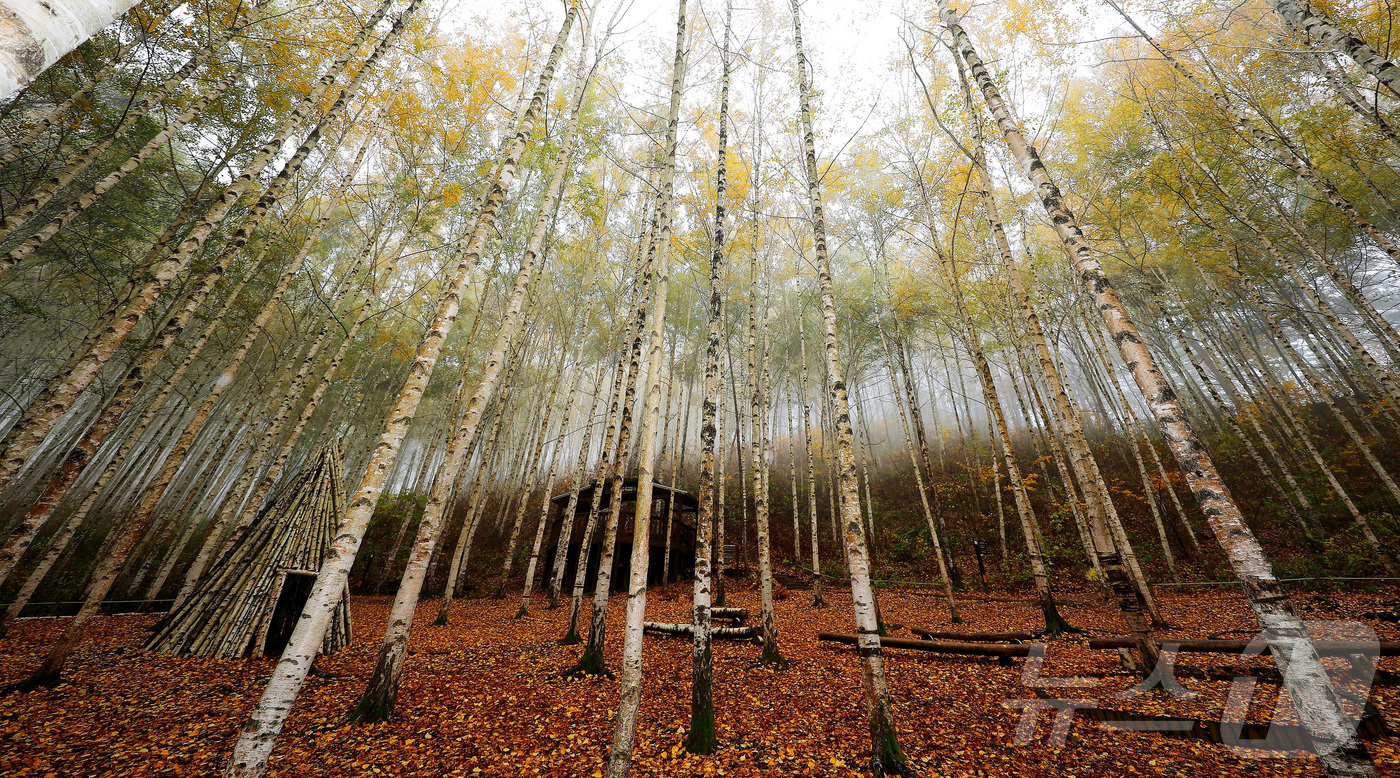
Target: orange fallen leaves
{"type": "Point", "coordinates": [479, 699]}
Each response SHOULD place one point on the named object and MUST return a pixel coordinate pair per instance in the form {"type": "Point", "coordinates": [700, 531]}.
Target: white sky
{"type": "Point", "coordinates": [848, 42]}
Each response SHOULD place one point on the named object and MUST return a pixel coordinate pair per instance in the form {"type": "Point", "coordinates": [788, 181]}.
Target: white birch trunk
{"type": "Point", "coordinates": [1307, 19]}
{"type": "Point", "coordinates": [543, 524]}
{"type": "Point", "coordinates": [566, 526]}
{"type": "Point", "coordinates": [377, 703]}
{"type": "Point", "coordinates": [817, 601]}
{"type": "Point", "coordinates": [591, 661]}
{"type": "Point", "coordinates": [543, 417]}
{"type": "Point", "coordinates": [1339, 749]}
{"type": "Point", "coordinates": [886, 757]}
{"type": "Point", "coordinates": [630, 679]}
{"type": "Point", "coordinates": [1105, 550]}
{"type": "Point", "coordinates": [255, 744]}
{"type": "Point", "coordinates": [701, 736]}
{"type": "Point", "coordinates": [41, 33]}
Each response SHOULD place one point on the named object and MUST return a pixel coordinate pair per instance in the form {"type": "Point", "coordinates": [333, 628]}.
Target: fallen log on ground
{"type": "Point", "coordinates": [970, 637]}
{"type": "Point", "coordinates": [1324, 647]}
{"type": "Point", "coordinates": [687, 630]}
{"type": "Point", "coordinates": [1002, 651]}
{"type": "Point", "coordinates": [737, 615]}
{"type": "Point", "coordinates": [1267, 735]}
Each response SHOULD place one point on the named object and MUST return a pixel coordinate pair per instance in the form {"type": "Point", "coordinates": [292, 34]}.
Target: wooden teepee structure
{"type": "Point", "coordinates": [251, 598]}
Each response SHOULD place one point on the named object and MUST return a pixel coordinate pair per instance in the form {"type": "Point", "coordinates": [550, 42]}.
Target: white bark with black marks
{"type": "Point", "coordinates": [39, 34]}
{"type": "Point", "coordinates": [630, 679]}
{"type": "Point", "coordinates": [1339, 749]}
{"type": "Point", "coordinates": [259, 736]}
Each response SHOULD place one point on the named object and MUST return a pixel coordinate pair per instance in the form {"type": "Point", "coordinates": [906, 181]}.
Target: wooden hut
{"type": "Point", "coordinates": [682, 546]}
{"type": "Point", "coordinates": [251, 598]}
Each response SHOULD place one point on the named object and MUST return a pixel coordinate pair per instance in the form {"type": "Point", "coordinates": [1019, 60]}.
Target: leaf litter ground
{"type": "Point", "coordinates": [480, 698]}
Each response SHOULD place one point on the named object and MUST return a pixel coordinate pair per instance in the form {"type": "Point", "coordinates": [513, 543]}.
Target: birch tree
{"type": "Point", "coordinates": [700, 738]}
{"type": "Point", "coordinates": [1316, 702]}
{"type": "Point", "coordinates": [630, 679]}
{"type": "Point", "coordinates": [258, 737]}
{"type": "Point", "coordinates": [886, 757]}
{"type": "Point", "coordinates": [40, 34]}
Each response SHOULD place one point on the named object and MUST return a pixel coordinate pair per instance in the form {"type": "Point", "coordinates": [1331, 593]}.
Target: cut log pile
{"type": "Point", "coordinates": [738, 630]}
{"type": "Point", "coordinates": [687, 630]}
{"type": "Point", "coordinates": [739, 616]}
{"type": "Point", "coordinates": [252, 597]}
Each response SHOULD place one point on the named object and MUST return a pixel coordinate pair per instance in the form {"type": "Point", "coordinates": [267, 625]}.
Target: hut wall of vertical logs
{"type": "Point", "coordinates": [682, 548]}
{"type": "Point", "coordinates": [250, 600]}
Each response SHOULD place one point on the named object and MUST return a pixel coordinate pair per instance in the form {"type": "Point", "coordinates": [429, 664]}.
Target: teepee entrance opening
{"type": "Point", "coordinates": [253, 596]}
{"type": "Point", "coordinates": [296, 588]}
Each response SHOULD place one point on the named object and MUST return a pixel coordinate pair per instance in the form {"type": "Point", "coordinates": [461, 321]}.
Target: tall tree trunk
{"type": "Point", "coordinates": [249, 759]}
{"type": "Point", "coordinates": [1317, 25]}
{"type": "Point", "coordinates": [24, 438]}
{"type": "Point", "coordinates": [1108, 556]}
{"type": "Point", "coordinates": [607, 456]}
{"type": "Point", "coordinates": [944, 577]}
{"type": "Point", "coordinates": [758, 447]}
{"type": "Point", "coordinates": [381, 691]}
{"type": "Point", "coordinates": [1309, 527]}
{"type": "Point", "coordinates": [817, 600]}
{"type": "Point", "coordinates": [886, 757]}
{"type": "Point", "coordinates": [1314, 699]}
{"type": "Point", "coordinates": [721, 479]}
{"type": "Point", "coordinates": [792, 479]}
{"type": "Point", "coordinates": [542, 525]}
{"type": "Point", "coordinates": [476, 505]}
{"type": "Point", "coordinates": [566, 525]}
{"type": "Point", "coordinates": [40, 34]}
{"type": "Point", "coordinates": [680, 443]}
{"type": "Point", "coordinates": [543, 416]}
{"type": "Point", "coordinates": [1054, 624]}
{"type": "Point", "coordinates": [591, 661]}
{"type": "Point", "coordinates": [701, 737]}
{"type": "Point", "coordinates": [630, 679]}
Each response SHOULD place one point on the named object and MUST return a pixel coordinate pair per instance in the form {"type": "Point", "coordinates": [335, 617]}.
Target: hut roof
{"type": "Point", "coordinates": [684, 500]}
{"type": "Point", "coordinates": [229, 614]}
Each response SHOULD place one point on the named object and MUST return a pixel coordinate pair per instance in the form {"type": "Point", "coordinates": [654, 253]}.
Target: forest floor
{"type": "Point", "coordinates": [480, 698]}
